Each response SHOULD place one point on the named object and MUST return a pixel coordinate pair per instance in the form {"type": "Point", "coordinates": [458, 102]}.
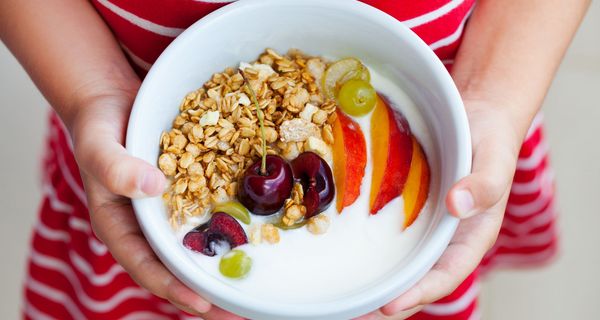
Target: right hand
{"type": "Point", "coordinates": [110, 178]}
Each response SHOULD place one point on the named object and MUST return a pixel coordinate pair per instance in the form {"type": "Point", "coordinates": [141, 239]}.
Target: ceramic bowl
{"type": "Point", "coordinates": [332, 28]}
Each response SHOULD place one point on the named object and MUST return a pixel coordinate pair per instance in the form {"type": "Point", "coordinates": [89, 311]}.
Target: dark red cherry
{"type": "Point", "coordinates": [264, 194]}
{"type": "Point", "coordinates": [220, 228]}
{"type": "Point", "coordinates": [317, 182]}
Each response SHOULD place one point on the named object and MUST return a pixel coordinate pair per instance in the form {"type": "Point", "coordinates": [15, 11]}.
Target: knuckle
{"type": "Point", "coordinates": [117, 178]}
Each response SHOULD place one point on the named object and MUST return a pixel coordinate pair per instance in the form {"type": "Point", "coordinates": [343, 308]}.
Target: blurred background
{"type": "Point", "coordinates": [567, 289]}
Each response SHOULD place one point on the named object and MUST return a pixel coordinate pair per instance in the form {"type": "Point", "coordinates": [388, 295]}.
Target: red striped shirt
{"type": "Point", "coordinates": [73, 276]}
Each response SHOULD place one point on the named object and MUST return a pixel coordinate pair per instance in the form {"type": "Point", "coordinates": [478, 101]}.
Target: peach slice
{"type": "Point", "coordinates": [349, 159]}
{"type": "Point", "coordinates": [392, 153]}
{"type": "Point", "coordinates": [416, 189]}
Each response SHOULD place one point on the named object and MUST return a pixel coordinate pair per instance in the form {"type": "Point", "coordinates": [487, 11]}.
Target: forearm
{"type": "Point", "coordinates": [67, 49]}
{"type": "Point", "coordinates": [511, 51]}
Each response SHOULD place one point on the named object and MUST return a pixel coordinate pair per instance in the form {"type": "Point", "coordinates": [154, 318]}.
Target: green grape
{"type": "Point", "coordinates": [234, 209]}
{"type": "Point", "coordinates": [357, 97]}
{"type": "Point", "coordinates": [341, 71]}
{"type": "Point", "coordinates": [235, 264]}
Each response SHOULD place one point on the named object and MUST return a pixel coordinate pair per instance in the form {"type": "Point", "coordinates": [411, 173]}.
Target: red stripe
{"type": "Point", "coordinates": [531, 143]}
{"type": "Point", "coordinates": [47, 306]}
{"type": "Point", "coordinates": [406, 9]}
{"type": "Point", "coordinates": [170, 13]}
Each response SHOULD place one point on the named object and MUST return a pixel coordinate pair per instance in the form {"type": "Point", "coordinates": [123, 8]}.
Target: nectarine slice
{"type": "Point", "coordinates": [392, 153]}
{"type": "Point", "coordinates": [416, 189]}
{"type": "Point", "coordinates": [349, 160]}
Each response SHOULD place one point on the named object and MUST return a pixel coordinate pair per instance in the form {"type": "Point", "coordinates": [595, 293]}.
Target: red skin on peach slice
{"type": "Point", "coordinates": [416, 189]}
{"type": "Point", "coordinates": [349, 158]}
{"type": "Point", "coordinates": [392, 153]}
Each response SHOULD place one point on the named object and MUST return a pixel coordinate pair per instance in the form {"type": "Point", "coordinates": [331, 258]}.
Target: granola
{"type": "Point", "coordinates": [216, 135]}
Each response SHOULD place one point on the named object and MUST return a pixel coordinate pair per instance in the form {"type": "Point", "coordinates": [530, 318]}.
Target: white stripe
{"type": "Point", "coordinates": [55, 203]}
{"type": "Point", "coordinates": [453, 37]}
{"type": "Point", "coordinates": [55, 295]}
{"type": "Point", "coordinates": [456, 306]}
{"type": "Point", "coordinates": [533, 186]}
{"type": "Point", "coordinates": [535, 158]}
{"type": "Point", "coordinates": [137, 60]}
{"type": "Point", "coordinates": [532, 207]}
{"type": "Point", "coordinates": [144, 315]}
{"type": "Point", "coordinates": [97, 247]}
{"type": "Point", "coordinates": [99, 306]}
{"type": "Point", "coordinates": [529, 240]}
{"type": "Point", "coordinates": [540, 219]}
{"type": "Point", "coordinates": [433, 15]}
{"type": "Point", "coordinates": [79, 225]}
{"type": "Point", "coordinates": [535, 124]}
{"type": "Point", "coordinates": [141, 22]}
{"type": "Point", "coordinates": [64, 169]}
{"type": "Point", "coordinates": [36, 314]}
{"type": "Point", "coordinates": [95, 278]}
{"type": "Point", "coordinates": [51, 234]}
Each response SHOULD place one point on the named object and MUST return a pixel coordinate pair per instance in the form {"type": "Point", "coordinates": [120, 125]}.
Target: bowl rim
{"type": "Point", "coordinates": [227, 296]}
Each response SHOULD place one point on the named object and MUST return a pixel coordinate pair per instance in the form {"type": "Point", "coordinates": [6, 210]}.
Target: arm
{"type": "Point", "coordinates": [75, 61]}
{"type": "Point", "coordinates": [510, 53]}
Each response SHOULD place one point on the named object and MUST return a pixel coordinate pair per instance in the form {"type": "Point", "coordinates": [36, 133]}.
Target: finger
{"type": "Point", "coordinates": [494, 163]}
{"type": "Point", "coordinates": [114, 223]}
{"type": "Point", "coordinates": [473, 238]}
{"type": "Point", "coordinates": [217, 313]}
{"type": "Point", "coordinates": [377, 315]}
{"type": "Point", "coordinates": [103, 157]}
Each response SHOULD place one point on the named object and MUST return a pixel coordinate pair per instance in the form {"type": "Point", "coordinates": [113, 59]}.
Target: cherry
{"type": "Point", "coordinates": [220, 228]}
{"type": "Point", "coordinates": [317, 182]}
{"type": "Point", "coordinates": [265, 194]}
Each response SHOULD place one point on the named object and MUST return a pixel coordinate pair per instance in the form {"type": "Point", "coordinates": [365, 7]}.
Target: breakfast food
{"type": "Point", "coordinates": [258, 154]}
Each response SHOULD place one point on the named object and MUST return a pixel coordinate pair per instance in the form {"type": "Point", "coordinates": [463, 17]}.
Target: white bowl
{"type": "Point", "coordinates": [334, 28]}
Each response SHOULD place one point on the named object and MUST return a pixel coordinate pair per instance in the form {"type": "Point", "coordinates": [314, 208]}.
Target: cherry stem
{"type": "Point", "coordinates": [259, 114]}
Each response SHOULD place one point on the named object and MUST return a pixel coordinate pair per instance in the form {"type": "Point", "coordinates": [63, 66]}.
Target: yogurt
{"type": "Point", "coordinates": [358, 248]}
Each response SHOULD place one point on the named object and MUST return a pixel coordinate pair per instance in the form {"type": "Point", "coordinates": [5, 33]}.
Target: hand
{"type": "Point", "coordinates": [110, 175]}
{"type": "Point", "coordinates": [478, 199]}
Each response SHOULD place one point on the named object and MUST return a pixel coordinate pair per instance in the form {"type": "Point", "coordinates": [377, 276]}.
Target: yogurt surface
{"type": "Point", "coordinates": [357, 249]}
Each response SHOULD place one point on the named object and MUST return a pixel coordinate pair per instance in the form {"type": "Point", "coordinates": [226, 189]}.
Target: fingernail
{"type": "Point", "coordinates": [152, 182]}
{"type": "Point", "coordinates": [464, 203]}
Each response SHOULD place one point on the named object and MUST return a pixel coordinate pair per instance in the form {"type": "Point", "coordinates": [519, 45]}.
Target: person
{"type": "Point", "coordinates": [89, 259]}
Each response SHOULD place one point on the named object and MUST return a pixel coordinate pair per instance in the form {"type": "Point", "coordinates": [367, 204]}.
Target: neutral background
{"type": "Point", "coordinates": [568, 289]}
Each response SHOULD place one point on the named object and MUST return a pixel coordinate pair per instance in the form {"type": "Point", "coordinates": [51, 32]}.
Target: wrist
{"type": "Point", "coordinates": [109, 83]}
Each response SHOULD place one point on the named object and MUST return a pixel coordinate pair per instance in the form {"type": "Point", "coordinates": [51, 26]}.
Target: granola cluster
{"type": "Point", "coordinates": [216, 136]}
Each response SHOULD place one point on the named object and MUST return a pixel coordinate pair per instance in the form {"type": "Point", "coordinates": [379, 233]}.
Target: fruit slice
{"type": "Point", "coordinates": [416, 189]}
{"type": "Point", "coordinates": [235, 264]}
{"type": "Point", "coordinates": [220, 228]}
{"type": "Point", "coordinates": [342, 71]}
{"type": "Point", "coordinates": [234, 209]}
{"type": "Point", "coordinates": [349, 159]}
{"type": "Point", "coordinates": [392, 154]}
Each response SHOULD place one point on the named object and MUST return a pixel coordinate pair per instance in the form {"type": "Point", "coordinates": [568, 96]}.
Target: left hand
{"type": "Point", "coordinates": [478, 199]}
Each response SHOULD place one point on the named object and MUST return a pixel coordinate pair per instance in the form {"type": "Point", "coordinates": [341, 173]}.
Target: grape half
{"type": "Point", "coordinates": [341, 71]}
{"type": "Point", "coordinates": [357, 97]}
{"type": "Point", "coordinates": [235, 264]}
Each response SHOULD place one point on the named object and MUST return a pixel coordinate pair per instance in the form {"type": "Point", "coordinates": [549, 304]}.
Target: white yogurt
{"type": "Point", "coordinates": [357, 250]}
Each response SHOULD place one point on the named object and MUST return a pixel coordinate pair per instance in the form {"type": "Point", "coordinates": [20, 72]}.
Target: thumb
{"type": "Point", "coordinates": [105, 159]}
{"type": "Point", "coordinates": [494, 164]}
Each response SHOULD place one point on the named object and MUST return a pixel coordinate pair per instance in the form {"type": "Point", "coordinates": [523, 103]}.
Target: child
{"type": "Point", "coordinates": [87, 58]}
